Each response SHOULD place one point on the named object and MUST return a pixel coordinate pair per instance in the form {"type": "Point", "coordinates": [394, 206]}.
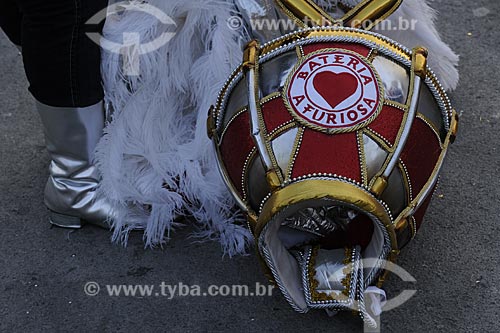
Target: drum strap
{"type": "Point", "coordinates": [366, 15]}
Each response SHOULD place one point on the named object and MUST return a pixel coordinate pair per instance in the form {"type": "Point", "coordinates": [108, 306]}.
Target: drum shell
{"type": "Point", "coordinates": [301, 152]}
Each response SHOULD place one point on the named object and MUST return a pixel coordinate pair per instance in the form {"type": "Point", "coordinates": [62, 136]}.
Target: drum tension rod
{"type": "Point", "coordinates": [419, 73]}
{"type": "Point", "coordinates": [250, 64]}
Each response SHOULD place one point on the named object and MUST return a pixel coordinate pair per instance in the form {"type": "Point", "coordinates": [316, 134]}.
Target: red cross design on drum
{"type": "Point", "coordinates": [334, 91]}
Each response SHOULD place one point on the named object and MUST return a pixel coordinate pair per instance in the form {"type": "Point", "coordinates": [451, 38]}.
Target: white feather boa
{"type": "Point", "coordinates": [156, 160]}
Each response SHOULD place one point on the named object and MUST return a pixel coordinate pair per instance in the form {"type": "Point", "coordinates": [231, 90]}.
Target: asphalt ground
{"type": "Point", "coordinates": [455, 258]}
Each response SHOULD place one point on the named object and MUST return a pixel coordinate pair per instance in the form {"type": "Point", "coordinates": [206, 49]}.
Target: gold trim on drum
{"type": "Point", "coordinates": [455, 126]}
{"type": "Point", "coordinates": [348, 262]}
{"type": "Point", "coordinates": [396, 105]}
{"type": "Point", "coordinates": [317, 189]}
{"type": "Point", "coordinates": [362, 158]}
{"type": "Point", "coordinates": [251, 221]}
{"type": "Point", "coordinates": [379, 186]}
{"type": "Point", "coordinates": [282, 129]}
{"type": "Point", "coordinates": [270, 97]}
{"type": "Point", "coordinates": [380, 139]}
{"type": "Point", "coordinates": [375, 39]}
{"type": "Point", "coordinates": [245, 178]}
{"type": "Point", "coordinates": [300, 52]}
{"type": "Point", "coordinates": [407, 180]}
{"type": "Point", "coordinates": [419, 61]}
{"type": "Point", "coordinates": [305, 122]}
{"type": "Point", "coordinates": [372, 55]}
{"type": "Point", "coordinates": [413, 224]}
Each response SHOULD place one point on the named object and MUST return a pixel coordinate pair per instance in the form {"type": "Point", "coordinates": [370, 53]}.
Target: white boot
{"type": "Point", "coordinates": [70, 194]}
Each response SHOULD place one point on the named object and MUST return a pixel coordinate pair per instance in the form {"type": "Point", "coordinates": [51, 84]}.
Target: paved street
{"type": "Point", "coordinates": [455, 258]}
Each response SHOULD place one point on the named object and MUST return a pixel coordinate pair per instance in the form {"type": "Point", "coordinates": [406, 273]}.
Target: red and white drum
{"type": "Point", "coordinates": [332, 141]}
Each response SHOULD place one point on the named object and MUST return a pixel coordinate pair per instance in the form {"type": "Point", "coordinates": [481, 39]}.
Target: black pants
{"type": "Point", "coordinates": [62, 64]}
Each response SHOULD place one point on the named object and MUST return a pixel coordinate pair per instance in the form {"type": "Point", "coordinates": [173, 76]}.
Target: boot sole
{"type": "Point", "coordinates": [65, 221]}
{"type": "Point", "coordinates": [71, 222]}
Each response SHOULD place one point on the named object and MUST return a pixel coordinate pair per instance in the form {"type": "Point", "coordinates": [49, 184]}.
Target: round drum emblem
{"type": "Point", "coordinates": [334, 91]}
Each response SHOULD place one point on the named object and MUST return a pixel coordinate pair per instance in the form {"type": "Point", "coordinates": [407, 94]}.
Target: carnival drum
{"type": "Point", "coordinates": [331, 140]}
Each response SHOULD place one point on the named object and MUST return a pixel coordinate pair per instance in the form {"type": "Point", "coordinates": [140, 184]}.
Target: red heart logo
{"type": "Point", "coordinates": [335, 88]}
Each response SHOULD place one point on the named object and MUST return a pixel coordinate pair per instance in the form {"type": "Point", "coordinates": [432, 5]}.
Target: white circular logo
{"type": "Point", "coordinates": [334, 91]}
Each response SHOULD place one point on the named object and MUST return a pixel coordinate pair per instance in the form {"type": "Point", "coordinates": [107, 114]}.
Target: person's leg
{"type": "Point", "coordinates": [63, 68]}
{"type": "Point", "coordinates": [62, 64]}
{"type": "Point", "coordinates": [11, 21]}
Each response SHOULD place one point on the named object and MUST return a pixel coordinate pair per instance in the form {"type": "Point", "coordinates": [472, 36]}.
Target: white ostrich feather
{"type": "Point", "coordinates": [156, 160]}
